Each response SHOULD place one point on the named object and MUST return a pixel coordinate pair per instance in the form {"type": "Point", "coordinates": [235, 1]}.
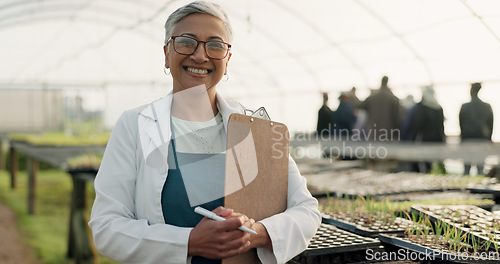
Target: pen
{"type": "Point", "coordinates": [212, 215]}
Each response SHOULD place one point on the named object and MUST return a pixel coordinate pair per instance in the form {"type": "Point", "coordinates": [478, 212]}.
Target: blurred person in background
{"type": "Point", "coordinates": [344, 117]}
{"type": "Point", "coordinates": [407, 105]}
{"type": "Point", "coordinates": [360, 116]}
{"type": "Point", "coordinates": [383, 112]}
{"type": "Point", "coordinates": [425, 123]}
{"type": "Point", "coordinates": [354, 100]}
{"type": "Point", "coordinates": [476, 123]}
{"type": "Point", "coordinates": [325, 125]}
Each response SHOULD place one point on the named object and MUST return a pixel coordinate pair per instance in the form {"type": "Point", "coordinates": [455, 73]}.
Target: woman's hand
{"type": "Point", "coordinates": [220, 239]}
{"type": "Point", "coordinates": [262, 239]}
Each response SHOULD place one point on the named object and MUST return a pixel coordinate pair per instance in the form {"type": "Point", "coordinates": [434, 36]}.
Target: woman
{"type": "Point", "coordinates": [143, 212]}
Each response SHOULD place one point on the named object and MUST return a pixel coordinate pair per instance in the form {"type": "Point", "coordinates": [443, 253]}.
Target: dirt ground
{"type": "Point", "coordinates": [12, 249]}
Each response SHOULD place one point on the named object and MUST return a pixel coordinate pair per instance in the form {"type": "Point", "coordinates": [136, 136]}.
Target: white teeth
{"type": "Point", "coordinates": [197, 71]}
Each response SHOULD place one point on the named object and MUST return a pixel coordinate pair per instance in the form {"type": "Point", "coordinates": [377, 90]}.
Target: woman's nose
{"type": "Point", "coordinates": [200, 54]}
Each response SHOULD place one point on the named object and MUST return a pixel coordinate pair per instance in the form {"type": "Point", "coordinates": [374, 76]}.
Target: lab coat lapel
{"type": "Point", "coordinates": [155, 132]}
{"type": "Point", "coordinates": [227, 107]}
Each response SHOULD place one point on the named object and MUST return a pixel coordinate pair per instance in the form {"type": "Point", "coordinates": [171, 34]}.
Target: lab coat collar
{"type": "Point", "coordinates": [228, 107]}
{"type": "Point", "coordinates": [163, 106]}
{"type": "Point", "coordinates": [159, 123]}
{"type": "Point", "coordinates": [158, 129]}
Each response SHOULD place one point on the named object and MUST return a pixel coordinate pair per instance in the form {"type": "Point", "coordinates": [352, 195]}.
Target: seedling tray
{"type": "Point", "coordinates": [354, 183]}
{"type": "Point", "coordinates": [426, 254]}
{"type": "Point", "coordinates": [476, 222]}
{"type": "Point", "coordinates": [331, 240]}
{"type": "Point", "coordinates": [492, 189]}
{"type": "Point", "coordinates": [372, 230]}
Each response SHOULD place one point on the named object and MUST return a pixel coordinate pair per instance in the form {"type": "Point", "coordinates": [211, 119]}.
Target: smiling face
{"type": "Point", "coordinates": [197, 69]}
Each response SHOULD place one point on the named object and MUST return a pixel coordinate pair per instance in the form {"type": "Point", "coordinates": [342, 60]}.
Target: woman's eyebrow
{"type": "Point", "coordinates": [196, 37]}
{"type": "Point", "coordinates": [216, 37]}
{"type": "Point", "coordinates": [188, 34]}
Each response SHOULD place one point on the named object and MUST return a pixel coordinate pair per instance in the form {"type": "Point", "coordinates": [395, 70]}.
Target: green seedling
{"type": "Point", "coordinates": [414, 231]}
{"type": "Point", "coordinates": [462, 241]}
{"type": "Point", "coordinates": [453, 239]}
{"type": "Point", "coordinates": [474, 243]}
{"type": "Point", "coordinates": [448, 235]}
{"type": "Point", "coordinates": [411, 230]}
{"type": "Point", "coordinates": [458, 239]}
{"type": "Point", "coordinates": [426, 225]}
{"type": "Point", "coordinates": [487, 243]}
{"type": "Point", "coordinates": [438, 230]}
{"type": "Point", "coordinates": [495, 243]}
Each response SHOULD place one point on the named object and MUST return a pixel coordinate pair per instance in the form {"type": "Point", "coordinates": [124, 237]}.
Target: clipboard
{"type": "Point", "coordinates": [256, 171]}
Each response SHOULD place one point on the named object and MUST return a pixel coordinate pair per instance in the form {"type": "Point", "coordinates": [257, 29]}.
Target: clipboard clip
{"type": "Point", "coordinates": [260, 113]}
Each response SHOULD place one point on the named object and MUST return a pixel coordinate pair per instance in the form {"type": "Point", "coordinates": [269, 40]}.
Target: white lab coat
{"type": "Point", "coordinates": [127, 219]}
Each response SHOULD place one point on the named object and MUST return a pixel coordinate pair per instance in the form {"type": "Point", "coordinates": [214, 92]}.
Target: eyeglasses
{"type": "Point", "coordinates": [216, 50]}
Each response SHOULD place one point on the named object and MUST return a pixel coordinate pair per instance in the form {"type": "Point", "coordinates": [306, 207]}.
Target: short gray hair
{"type": "Point", "coordinates": [198, 7]}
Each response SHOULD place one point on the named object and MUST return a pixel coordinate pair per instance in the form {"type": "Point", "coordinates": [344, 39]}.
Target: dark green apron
{"type": "Point", "coordinates": [176, 206]}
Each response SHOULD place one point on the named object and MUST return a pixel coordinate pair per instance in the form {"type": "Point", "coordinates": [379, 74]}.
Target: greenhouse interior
{"type": "Point", "coordinates": [387, 110]}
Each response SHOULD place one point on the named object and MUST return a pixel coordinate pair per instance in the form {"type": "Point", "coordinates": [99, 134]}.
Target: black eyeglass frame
{"type": "Point", "coordinates": [204, 46]}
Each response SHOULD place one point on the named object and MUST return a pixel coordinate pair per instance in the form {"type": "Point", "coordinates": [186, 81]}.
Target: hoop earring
{"type": "Point", "coordinates": [165, 71]}
{"type": "Point", "coordinates": [227, 78]}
